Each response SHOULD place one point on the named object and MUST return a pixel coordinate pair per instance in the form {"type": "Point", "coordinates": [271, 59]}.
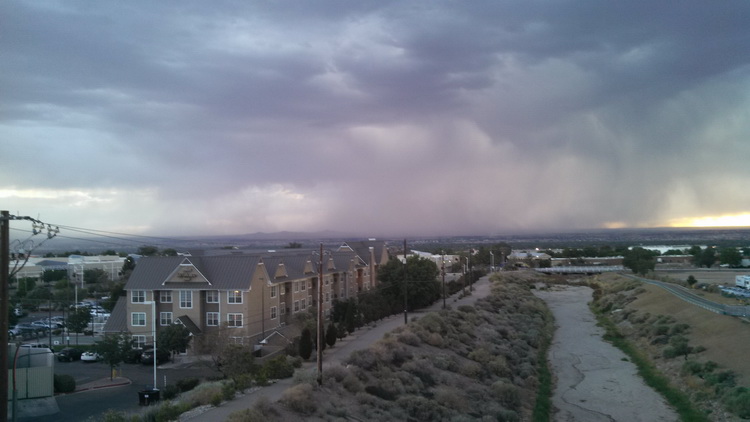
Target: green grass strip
{"type": "Point", "coordinates": [651, 375]}
{"type": "Point", "coordinates": [543, 404]}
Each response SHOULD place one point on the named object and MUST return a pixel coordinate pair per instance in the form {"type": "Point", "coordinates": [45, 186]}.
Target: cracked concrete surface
{"type": "Point", "coordinates": [594, 380]}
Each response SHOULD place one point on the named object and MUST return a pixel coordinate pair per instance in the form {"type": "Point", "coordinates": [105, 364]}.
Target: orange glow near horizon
{"type": "Point", "coordinates": [738, 220]}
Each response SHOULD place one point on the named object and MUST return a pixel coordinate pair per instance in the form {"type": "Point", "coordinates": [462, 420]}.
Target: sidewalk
{"type": "Point", "coordinates": [360, 339]}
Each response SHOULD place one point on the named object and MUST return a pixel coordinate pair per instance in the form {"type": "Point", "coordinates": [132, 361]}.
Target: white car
{"type": "Point", "coordinates": [89, 357]}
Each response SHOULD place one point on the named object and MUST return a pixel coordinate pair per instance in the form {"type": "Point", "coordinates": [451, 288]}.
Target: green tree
{"type": "Point", "coordinates": [117, 291]}
{"type": "Point", "coordinates": [128, 265]}
{"type": "Point", "coordinates": [49, 276]}
{"type": "Point", "coordinates": [730, 256]}
{"type": "Point", "coordinates": [705, 258]}
{"type": "Point", "coordinates": [39, 295]}
{"type": "Point", "coordinates": [674, 252]}
{"type": "Point", "coordinates": [169, 252]}
{"type": "Point", "coordinates": [95, 276]}
{"type": "Point", "coordinates": [679, 346]}
{"type": "Point", "coordinates": [691, 281]}
{"type": "Point", "coordinates": [25, 285]}
{"type": "Point", "coordinates": [147, 250]}
{"type": "Point", "coordinates": [331, 334]}
{"type": "Point", "coordinates": [293, 245]}
{"type": "Point", "coordinates": [78, 320]}
{"type": "Point", "coordinates": [113, 349]}
{"type": "Point", "coordinates": [639, 260]}
{"type": "Point", "coordinates": [237, 360]}
{"type": "Point", "coordinates": [305, 344]}
{"type": "Point", "coordinates": [422, 286]}
{"type": "Point", "coordinates": [174, 338]}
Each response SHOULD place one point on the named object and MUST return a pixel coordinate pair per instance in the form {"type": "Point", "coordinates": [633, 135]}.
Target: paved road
{"type": "Point", "coordinates": [688, 296]}
{"type": "Point", "coordinates": [361, 339]}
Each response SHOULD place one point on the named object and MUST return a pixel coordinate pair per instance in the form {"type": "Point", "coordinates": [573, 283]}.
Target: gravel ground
{"type": "Point", "coordinates": [594, 380]}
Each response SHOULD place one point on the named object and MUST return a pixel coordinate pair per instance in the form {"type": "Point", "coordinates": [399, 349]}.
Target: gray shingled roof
{"type": "Point", "coordinates": [117, 321]}
{"type": "Point", "coordinates": [362, 249]}
{"type": "Point", "coordinates": [224, 272]}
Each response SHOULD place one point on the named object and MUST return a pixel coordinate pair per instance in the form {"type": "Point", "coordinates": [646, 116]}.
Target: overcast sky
{"type": "Point", "coordinates": [374, 117]}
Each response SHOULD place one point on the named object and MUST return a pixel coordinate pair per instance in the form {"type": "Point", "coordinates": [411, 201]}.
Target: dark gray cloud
{"type": "Point", "coordinates": [375, 117]}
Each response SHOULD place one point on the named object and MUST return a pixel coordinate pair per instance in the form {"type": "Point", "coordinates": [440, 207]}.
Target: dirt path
{"type": "Point", "coordinates": [595, 381]}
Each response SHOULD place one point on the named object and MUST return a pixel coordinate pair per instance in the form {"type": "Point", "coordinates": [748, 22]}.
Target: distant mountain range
{"type": "Point", "coordinates": [330, 238]}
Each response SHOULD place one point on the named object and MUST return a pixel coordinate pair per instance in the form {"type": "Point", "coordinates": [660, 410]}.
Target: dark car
{"type": "Point", "coordinates": [148, 355]}
{"type": "Point", "coordinates": [69, 354]}
{"type": "Point", "coordinates": [133, 356]}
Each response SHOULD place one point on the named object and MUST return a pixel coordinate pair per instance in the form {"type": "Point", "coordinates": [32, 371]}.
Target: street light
{"type": "Point", "coordinates": [153, 331]}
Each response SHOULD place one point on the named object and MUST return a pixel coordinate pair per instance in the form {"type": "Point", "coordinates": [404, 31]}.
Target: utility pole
{"type": "Point", "coordinates": [442, 268]}
{"type": "Point", "coordinates": [471, 276]}
{"type": "Point", "coordinates": [406, 320]}
{"type": "Point", "coordinates": [320, 317]}
{"type": "Point", "coordinates": [5, 275]}
{"type": "Point", "coordinates": [4, 270]}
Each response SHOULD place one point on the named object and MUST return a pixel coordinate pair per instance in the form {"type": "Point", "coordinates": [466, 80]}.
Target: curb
{"type": "Point", "coordinates": [99, 387]}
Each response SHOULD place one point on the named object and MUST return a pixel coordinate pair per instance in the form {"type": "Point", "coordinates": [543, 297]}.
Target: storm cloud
{"type": "Point", "coordinates": [374, 117]}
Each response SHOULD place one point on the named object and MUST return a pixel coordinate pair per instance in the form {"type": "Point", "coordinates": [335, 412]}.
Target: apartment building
{"type": "Point", "coordinates": [252, 294]}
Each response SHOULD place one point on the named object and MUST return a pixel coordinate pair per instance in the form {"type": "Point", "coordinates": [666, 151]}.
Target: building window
{"type": "Point", "coordinates": [325, 280]}
{"type": "Point", "coordinates": [139, 342]}
{"type": "Point", "coordinates": [273, 312]}
{"type": "Point", "coordinates": [282, 305]}
{"type": "Point", "coordinates": [296, 306]}
{"type": "Point", "coordinates": [296, 286]}
{"type": "Point", "coordinates": [302, 304]}
{"type": "Point", "coordinates": [212, 319]}
{"type": "Point", "coordinates": [273, 291]}
{"type": "Point", "coordinates": [328, 297]}
{"type": "Point", "coordinates": [165, 296]}
{"type": "Point", "coordinates": [186, 299]}
{"type": "Point", "coordinates": [165, 318]}
{"type": "Point", "coordinates": [234, 320]}
{"type": "Point", "coordinates": [234, 296]}
{"type": "Point", "coordinates": [212, 296]}
{"type": "Point", "coordinates": [138, 296]}
{"type": "Point", "coordinates": [138, 319]}
{"type": "Point", "coordinates": [303, 285]}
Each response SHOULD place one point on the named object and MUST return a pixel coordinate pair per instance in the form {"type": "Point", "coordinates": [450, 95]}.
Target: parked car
{"type": "Point", "coordinates": [37, 346]}
{"type": "Point", "coordinates": [41, 325]}
{"type": "Point", "coordinates": [69, 354]}
{"type": "Point", "coordinates": [26, 329]}
{"type": "Point", "coordinates": [133, 355]}
{"type": "Point", "coordinates": [148, 355]}
{"type": "Point", "coordinates": [89, 357]}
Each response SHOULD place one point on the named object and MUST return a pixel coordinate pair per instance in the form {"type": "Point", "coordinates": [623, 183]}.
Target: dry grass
{"type": "Point", "coordinates": [725, 338]}
{"type": "Point", "coordinates": [470, 363]}
{"type": "Point", "coordinates": [653, 319]}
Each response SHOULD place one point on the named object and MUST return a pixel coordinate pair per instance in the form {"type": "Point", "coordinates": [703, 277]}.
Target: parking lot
{"type": "Point", "coordinates": [92, 403]}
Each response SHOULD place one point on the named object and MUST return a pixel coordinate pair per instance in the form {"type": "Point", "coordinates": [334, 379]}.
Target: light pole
{"type": "Point", "coordinates": [153, 332]}
{"type": "Point", "coordinates": [492, 262]}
